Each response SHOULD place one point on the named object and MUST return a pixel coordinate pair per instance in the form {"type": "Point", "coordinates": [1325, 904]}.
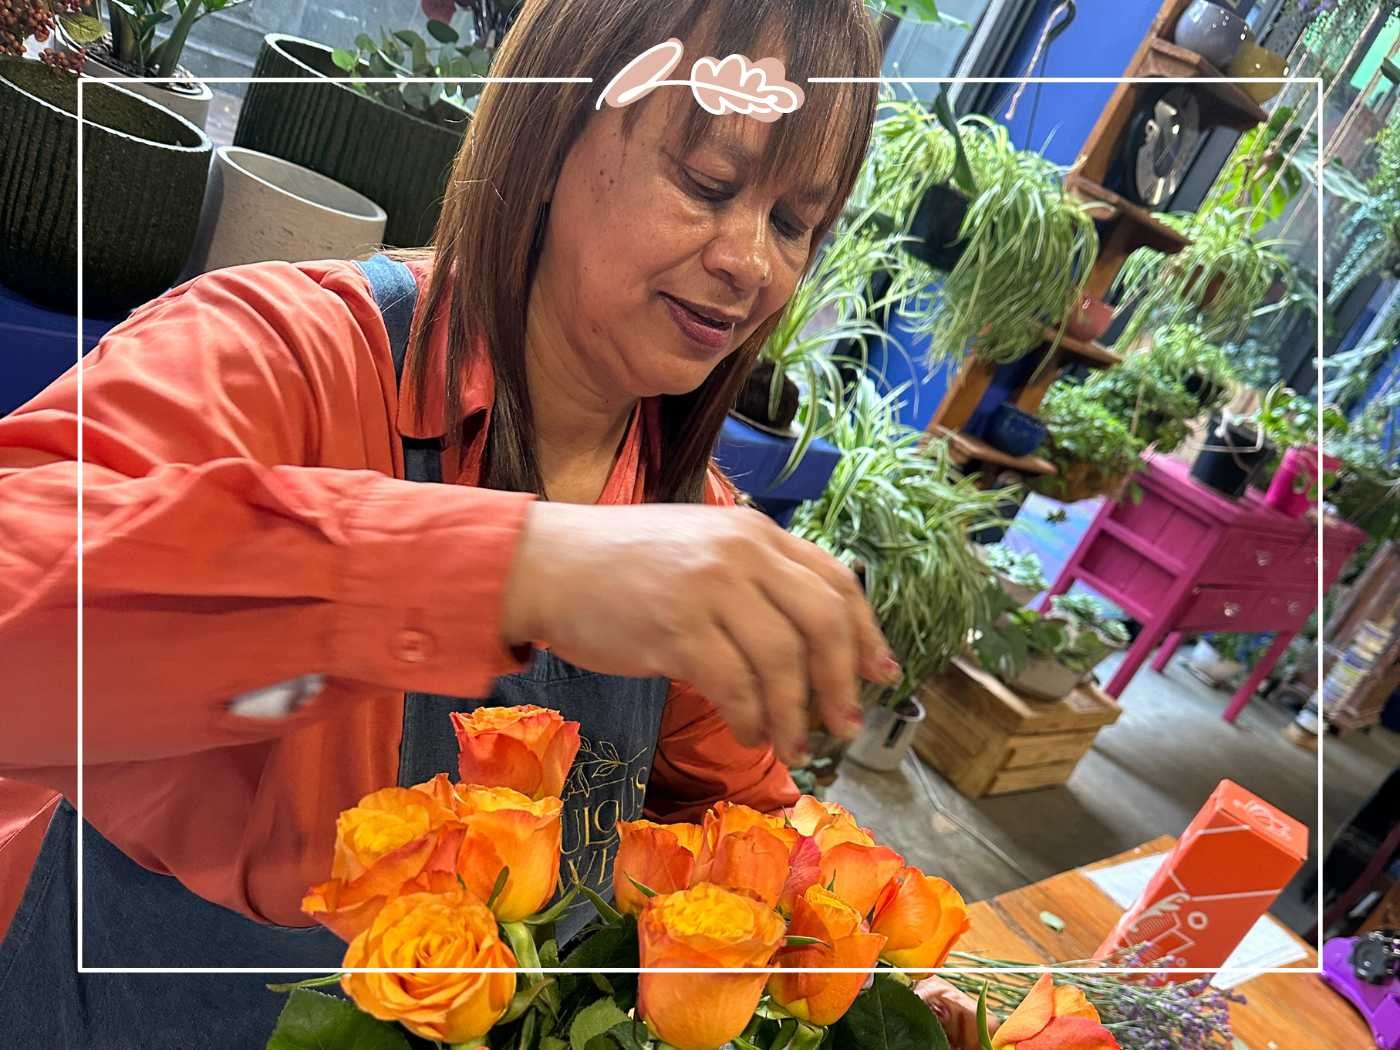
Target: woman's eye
{"type": "Point", "coordinates": [705, 188]}
{"type": "Point", "coordinates": [789, 226]}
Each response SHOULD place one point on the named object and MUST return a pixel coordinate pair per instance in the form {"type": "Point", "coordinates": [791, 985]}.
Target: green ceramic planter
{"type": "Point", "coordinates": [396, 160]}
{"type": "Point", "coordinates": [144, 173]}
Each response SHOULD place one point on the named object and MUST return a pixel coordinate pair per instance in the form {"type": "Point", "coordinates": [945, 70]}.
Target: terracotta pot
{"type": "Point", "coordinates": [1090, 319]}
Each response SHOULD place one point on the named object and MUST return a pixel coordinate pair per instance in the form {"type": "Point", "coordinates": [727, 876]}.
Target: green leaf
{"type": "Point", "coordinates": [83, 29]}
{"type": "Point", "coordinates": [442, 32]}
{"type": "Point", "coordinates": [642, 888]}
{"type": "Point", "coordinates": [524, 999]}
{"type": "Point", "coordinates": [314, 1021]}
{"type": "Point", "coordinates": [628, 1035]}
{"type": "Point", "coordinates": [365, 42]}
{"type": "Point", "coordinates": [594, 1020]}
{"type": "Point", "coordinates": [983, 1036]}
{"type": "Point", "coordinates": [606, 910]}
{"type": "Point", "coordinates": [499, 887]}
{"type": "Point", "coordinates": [609, 946]}
{"type": "Point", "coordinates": [888, 1016]}
{"type": "Point", "coordinates": [346, 60]}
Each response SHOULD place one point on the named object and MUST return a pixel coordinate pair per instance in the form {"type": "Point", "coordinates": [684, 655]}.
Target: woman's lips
{"type": "Point", "coordinates": [697, 327]}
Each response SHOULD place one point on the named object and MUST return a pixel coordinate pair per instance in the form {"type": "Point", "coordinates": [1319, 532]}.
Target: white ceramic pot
{"type": "Point", "coordinates": [260, 208]}
{"type": "Point", "coordinates": [1045, 678]}
{"type": "Point", "coordinates": [1206, 663]}
{"type": "Point", "coordinates": [189, 98]}
{"type": "Point", "coordinates": [887, 736]}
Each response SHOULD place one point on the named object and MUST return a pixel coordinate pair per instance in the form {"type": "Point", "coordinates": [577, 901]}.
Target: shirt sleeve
{"type": "Point", "coordinates": [241, 525]}
{"type": "Point", "coordinates": [699, 761]}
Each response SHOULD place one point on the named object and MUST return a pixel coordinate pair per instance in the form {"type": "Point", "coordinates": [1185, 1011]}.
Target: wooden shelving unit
{"type": "Point", "coordinates": [1124, 225]}
{"type": "Point", "coordinates": [968, 449]}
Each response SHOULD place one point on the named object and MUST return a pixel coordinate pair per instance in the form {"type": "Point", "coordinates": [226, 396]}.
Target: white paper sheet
{"type": "Point", "coordinates": [1267, 945]}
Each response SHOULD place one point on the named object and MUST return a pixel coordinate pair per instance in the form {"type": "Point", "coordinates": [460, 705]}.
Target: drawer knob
{"type": "Point", "coordinates": [1231, 610]}
{"type": "Point", "coordinates": [1262, 558]}
{"type": "Point", "coordinates": [1295, 607]}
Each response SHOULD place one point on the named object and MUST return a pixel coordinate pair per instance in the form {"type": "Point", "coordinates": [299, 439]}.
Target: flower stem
{"type": "Point", "coordinates": [314, 982]}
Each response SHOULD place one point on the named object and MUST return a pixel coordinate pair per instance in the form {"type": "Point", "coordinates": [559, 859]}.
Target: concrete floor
{"type": "Point", "coordinates": [1147, 775]}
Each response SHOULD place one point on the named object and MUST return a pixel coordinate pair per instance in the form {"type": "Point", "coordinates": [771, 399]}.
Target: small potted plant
{"type": "Point", "coordinates": [1290, 422]}
{"type": "Point", "coordinates": [1019, 574]}
{"type": "Point", "coordinates": [1093, 633]}
{"type": "Point", "coordinates": [904, 513]}
{"type": "Point", "coordinates": [125, 45]}
{"type": "Point", "coordinates": [346, 131]}
{"type": "Point", "coordinates": [1235, 450]}
{"type": "Point", "coordinates": [1093, 452]}
{"type": "Point", "coordinates": [1047, 656]}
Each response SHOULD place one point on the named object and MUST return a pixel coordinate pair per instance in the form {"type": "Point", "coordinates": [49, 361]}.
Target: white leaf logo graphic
{"type": "Point", "coordinates": [645, 73]}
{"type": "Point", "coordinates": [736, 85]}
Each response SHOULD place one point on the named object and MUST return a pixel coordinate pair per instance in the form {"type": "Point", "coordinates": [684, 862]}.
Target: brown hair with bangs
{"type": "Point", "coordinates": [488, 236]}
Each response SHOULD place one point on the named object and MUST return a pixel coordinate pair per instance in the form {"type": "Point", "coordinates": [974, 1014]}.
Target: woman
{"type": "Point", "coordinates": [270, 564]}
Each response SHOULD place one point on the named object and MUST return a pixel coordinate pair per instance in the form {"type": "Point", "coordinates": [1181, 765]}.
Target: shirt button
{"type": "Point", "coordinates": [413, 647]}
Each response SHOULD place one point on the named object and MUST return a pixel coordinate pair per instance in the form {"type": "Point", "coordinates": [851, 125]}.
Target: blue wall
{"type": "Point", "coordinates": [1099, 43]}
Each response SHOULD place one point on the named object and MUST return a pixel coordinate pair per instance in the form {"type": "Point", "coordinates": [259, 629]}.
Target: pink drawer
{"type": "Point", "coordinates": [1286, 610]}
{"type": "Point", "coordinates": [1225, 609]}
{"type": "Point", "coordinates": [1244, 555]}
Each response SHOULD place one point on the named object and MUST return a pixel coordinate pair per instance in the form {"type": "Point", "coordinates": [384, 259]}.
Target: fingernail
{"type": "Point", "coordinates": [890, 666]}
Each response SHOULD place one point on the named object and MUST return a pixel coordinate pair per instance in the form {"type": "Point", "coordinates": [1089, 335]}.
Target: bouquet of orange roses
{"type": "Point", "coordinates": [750, 930]}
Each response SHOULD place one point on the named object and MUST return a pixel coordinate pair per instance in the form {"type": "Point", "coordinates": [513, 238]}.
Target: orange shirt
{"type": "Point", "coordinates": [245, 522]}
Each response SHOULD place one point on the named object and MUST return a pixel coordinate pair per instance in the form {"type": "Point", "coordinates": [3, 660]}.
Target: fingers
{"type": "Point", "coordinates": [876, 664]}
{"type": "Point", "coordinates": [776, 651]}
{"type": "Point", "coordinates": [720, 670]}
{"type": "Point", "coordinates": [817, 612]}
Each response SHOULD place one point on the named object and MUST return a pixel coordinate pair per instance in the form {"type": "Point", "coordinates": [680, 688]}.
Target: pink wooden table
{"type": "Point", "coordinates": [1186, 559]}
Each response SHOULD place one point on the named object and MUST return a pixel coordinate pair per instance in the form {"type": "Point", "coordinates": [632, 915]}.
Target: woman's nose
{"type": "Point", "coordinates": [741, 251]}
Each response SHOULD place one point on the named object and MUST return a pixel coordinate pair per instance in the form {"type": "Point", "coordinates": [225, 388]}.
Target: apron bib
{"type": "Point", "coordinates": [137, 918]}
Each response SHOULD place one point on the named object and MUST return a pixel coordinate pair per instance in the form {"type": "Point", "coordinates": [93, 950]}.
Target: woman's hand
{"type": "Point", "coordinates": [956, 1012]}
{"type": "Point", "coordinates": [760, 622]}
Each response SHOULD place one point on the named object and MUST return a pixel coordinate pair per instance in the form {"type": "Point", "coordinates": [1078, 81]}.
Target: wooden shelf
{"type": "Point", "coordinates": [1096, 355]}
{"type": "Point", "coordinates": [1150, 232]}
{"type": "Point", "coordinates": [1222, 105]}
{"type": "Point", "coordinates": [968, 449]}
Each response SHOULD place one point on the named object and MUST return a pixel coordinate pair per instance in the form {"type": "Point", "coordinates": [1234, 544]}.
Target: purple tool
{"type": "Point", "coordinates": [1366, 970]}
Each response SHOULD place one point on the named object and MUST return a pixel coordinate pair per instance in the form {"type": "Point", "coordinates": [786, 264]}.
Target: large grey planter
{"type": "Point", "coordinates": [144, 173]}
{"type": "Point", "coordinates": [396, 160]}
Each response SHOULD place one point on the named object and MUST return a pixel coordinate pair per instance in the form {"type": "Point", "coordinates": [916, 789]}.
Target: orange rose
{"type": "Point", "coordinates": [527, 748]}
{"type": "Point", "coordinates": [703, 926]}
{"type": "Point", "coordinates": [753, 861]}
{"type": "Point", "coordinates": [395, 841]}
{"type": "Point", "coordinates": [858, 872]}
{"type": "Point", "coordinates": [811, 815]}
{"type": "Point", "coordinates": [433, 929]}
{"type": "Point", "coordinates": [822, 998]}
{"type": "Point", "coordinates": [659, 856]}
{"type": "Point", "coordinates": [505, 829]}
{"type": "Point", "coordinates": [725, 818]}
{"type": "Point", "coordinates": [1051, 1018]}
{"type": "Point", "coordinates": [922, 916]}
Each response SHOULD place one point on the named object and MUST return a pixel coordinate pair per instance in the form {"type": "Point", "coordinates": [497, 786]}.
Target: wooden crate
{"type": "Point", "coordinates": [990, 740]}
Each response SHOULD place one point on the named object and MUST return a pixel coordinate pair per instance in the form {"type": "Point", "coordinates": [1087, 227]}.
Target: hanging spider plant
{"type": "Point", "coordinates": [1027, 244]}
{"type": "Point", "coordinates": [1219, 281]}
{"type": "Point", "coordinates": [905, 514]}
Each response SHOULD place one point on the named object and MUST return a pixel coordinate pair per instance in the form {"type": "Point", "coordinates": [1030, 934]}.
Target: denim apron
{"type": "Point", "coordinates": [134, 917]}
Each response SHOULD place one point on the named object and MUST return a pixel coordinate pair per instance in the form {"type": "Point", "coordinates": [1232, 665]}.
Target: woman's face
{"type": "Point", "coordinates": [656, 264]}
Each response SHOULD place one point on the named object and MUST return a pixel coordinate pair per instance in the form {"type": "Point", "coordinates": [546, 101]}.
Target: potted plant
{"type": "Point", "coordinates": [1234, 450]}
{"type": "Point", "coordinates": [1093, 452]}
{"type": "Point", "coordinates": [144, 171]}
{"type": "Point", "coordinates": [903, 511]}
{"type": "Point", "coordinates": [1019, 574]}
{"type": "Point", "coordinates": [394, 144]}
{"type": "Point", "coordinates": [1046, 656]}
{"type": "Point", "coordinates": [1290, 423]}
{"type": "Point", "coordinates": [1218, 281]}
{"type": "Point", "coordinates": [1093, 633]}
{"type": "Point", "coordinates": [125, 45]}
{"type": "Point", "coordinates": [1015, 244]}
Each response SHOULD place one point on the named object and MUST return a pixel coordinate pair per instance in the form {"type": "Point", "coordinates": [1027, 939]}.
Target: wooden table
{"type": "Point", "coordinates": [1284, 1012]}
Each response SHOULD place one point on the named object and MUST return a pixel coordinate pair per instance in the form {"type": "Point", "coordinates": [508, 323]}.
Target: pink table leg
{"type": "Point", "coordinates": [1167, 650]}
{"type": "Point", "coordinates": [1147, 640]}
{"type": "Point", "coordinates": [1261, 670]}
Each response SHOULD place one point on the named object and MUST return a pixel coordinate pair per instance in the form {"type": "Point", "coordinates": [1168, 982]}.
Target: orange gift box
{"type": "Point", "coordinates": [1228, 867]}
